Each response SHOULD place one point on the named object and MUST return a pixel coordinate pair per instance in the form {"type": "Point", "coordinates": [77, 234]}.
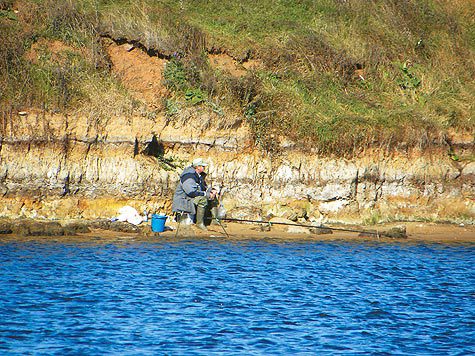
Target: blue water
{"type": "Point", "coordinates": [155, 296]}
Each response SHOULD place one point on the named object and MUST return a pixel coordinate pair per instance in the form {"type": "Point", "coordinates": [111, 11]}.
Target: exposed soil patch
{"type": "Point", "coordinates": [253, 64]}
{"type": "Point", "coordinates": [43, 47]}
{"type": "Point", "coordinates": [139, 72]}
{"type": "Point", "coordinates": [226, 63]}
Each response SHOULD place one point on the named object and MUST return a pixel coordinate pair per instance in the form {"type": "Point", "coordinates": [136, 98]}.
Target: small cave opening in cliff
{"type": "Point", "coordinates": [154, 148]}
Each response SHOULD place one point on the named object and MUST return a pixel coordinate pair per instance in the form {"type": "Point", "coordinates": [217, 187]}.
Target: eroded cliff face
{"type": "Point", "coordinates": [57, 166]}
{"type": "Point", "coordinates": [78, 166]}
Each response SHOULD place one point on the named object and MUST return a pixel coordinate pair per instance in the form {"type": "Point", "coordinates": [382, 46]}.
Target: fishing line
{"type": "Point", "coordinates": [376, 233]}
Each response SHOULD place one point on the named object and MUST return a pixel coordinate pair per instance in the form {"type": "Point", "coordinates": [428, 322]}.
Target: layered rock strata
{"type": "Point", "coordinates": [56, 166]}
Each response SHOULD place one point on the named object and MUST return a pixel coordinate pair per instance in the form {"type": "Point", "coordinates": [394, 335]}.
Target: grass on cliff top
{"type": "Point", "coordinates": [336, 76]}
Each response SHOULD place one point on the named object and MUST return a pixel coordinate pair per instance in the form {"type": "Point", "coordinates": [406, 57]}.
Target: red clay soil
{"type": "Point", "coordinates": [140, 73]}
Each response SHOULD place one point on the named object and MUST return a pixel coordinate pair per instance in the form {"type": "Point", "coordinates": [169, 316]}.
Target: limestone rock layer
{"type": "Point", "coordinates": [54, 166]}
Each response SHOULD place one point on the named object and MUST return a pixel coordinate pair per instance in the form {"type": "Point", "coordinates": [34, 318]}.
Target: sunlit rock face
{"type": "Point", "coordinates": [68, 169]}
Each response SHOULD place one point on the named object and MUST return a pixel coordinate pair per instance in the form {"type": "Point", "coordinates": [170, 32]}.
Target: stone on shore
{"type": "Point", "coordinates": [5, 227]}
{"type": "Point", "coordinates": [397, 232]}
{"type": "Point", "coordinates": [37, 228]}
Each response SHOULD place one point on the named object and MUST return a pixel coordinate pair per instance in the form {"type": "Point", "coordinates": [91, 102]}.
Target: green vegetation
{"type": "Point", "coordinates": [335, 76]}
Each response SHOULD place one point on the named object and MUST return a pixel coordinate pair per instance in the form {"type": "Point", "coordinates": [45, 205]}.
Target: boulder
{"type": "Point", "coordinates": [397, 232]}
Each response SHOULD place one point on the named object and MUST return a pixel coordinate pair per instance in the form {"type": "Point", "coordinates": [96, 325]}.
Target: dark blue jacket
{"type": "Point", "coordinates": [191, 185]}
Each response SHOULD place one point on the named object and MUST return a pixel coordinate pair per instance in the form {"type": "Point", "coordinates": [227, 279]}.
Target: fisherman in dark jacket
{"type": "Point", "coordinates": [192, 195]}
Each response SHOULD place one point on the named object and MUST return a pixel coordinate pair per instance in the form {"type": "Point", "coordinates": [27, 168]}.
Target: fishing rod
{"type": "Point", "coordinates": [220, 224]}
{"type": "Point", "coordinates": [270, 223]}
{"type": "Point", "coordinates": [303, 225]}
{"type": "Point", "coordinates": [218, 198]}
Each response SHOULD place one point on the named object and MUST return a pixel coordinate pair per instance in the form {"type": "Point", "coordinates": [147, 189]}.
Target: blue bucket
{"type": "Point", "coordinates": [158, 222]}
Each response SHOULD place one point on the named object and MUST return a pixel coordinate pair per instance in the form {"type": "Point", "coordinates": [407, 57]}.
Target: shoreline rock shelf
{"type": "Point", "coordinates": [104, 228]}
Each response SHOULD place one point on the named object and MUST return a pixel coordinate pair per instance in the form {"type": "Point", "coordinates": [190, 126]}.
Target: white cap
{"type": "Point", "coordinates": [199, 162]}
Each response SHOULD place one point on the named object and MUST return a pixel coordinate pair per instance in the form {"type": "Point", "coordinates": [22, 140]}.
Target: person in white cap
{"type": "Point", "coordinates": [192, 195]}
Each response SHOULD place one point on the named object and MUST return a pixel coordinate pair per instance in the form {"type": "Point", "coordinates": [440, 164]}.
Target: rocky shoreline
{"type": "Point", "coordinates": [105, 228]}
{"type": "Point", "coordinates": [32, 227]}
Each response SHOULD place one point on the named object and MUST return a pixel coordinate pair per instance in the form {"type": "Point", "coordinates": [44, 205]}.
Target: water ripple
{"type": "Point", "coordinates": [211, 297]}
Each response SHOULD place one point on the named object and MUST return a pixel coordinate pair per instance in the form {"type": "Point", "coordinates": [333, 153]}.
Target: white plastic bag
{"type": "Point", "coordinates": [129, 214]}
